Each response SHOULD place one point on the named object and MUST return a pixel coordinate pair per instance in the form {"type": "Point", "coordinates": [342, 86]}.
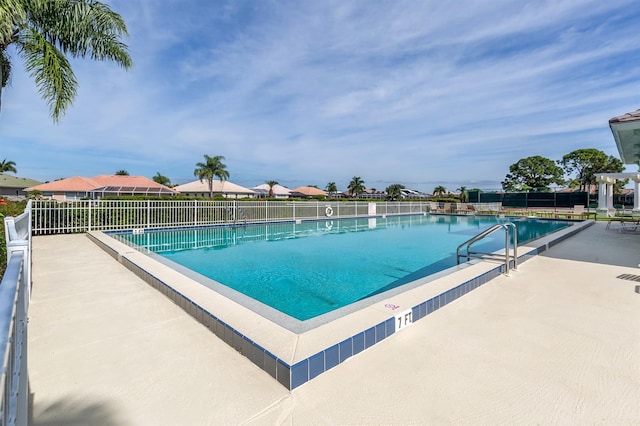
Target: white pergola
{"type": "Point", "coordinates": [606, 181]}
{"type": "Point", "coordinates": [626, 132]}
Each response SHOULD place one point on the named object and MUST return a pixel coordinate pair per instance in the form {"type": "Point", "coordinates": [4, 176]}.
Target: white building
{"type": "Point", "coordinates": [279, 191]}
{"type": "Point", "coordinates": [227, 189]}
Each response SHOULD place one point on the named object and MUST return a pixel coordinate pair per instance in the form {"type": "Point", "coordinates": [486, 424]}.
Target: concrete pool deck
{"type": "Point", "coordinates": [557, 342]}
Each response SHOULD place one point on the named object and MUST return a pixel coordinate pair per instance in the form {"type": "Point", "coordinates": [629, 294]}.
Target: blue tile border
{"type": "Point", "coordinates": [293, 376]}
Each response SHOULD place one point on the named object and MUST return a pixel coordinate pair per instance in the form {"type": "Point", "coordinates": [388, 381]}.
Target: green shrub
{"type": "Point", "coordinates": [9, 209]}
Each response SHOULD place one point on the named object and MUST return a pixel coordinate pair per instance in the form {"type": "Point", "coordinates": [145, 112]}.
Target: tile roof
{"type": "Point", "coordinates": [84, 184]}
{"type": "Point", "coordinates": [630, 116]}
{"type": "Point", "coordinates": [277, 189]}
{"type": "Point", "coordinates": [309, 191]}
{"type": "Point", "coordinates": [218, 187]}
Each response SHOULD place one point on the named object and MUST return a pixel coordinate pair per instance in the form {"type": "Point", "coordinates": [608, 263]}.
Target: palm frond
{"type": "Point", "coordinates": [12, 14]}
{"type": "Point", "coordinates": [83, 28]}
{"type": "Point", "coordinates": [51, 71]}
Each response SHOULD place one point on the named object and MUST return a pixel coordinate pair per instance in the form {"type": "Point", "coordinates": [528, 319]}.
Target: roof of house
{"type": "Point", "coordinates": [626, 133]}
{"type": "Point", "coordinates": [630, 116]}
{"type": "Point", "coordinates": [309, 191]}
{"type": "Point", "coordinates": [277, 189]}
{"type": "Point", "coordinates": [592, 189]}
{"type": "Point", "coordinates": [84, 184]}
{"type": "Point", "coordinates": [219, 187]}
{"type": "Point", "coordinates": [9, 181]}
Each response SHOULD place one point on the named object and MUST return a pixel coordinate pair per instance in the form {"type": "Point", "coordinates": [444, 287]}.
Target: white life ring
{"type": "Point", "coordinates": [328, 211]}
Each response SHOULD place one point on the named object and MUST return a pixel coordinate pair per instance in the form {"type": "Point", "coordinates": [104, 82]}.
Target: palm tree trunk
{"type": "Point", "coordinates": [211, 188]}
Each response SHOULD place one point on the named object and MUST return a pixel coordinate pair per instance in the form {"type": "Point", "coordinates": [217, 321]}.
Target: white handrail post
{"type": "Point", "coordinates": [506, 250]}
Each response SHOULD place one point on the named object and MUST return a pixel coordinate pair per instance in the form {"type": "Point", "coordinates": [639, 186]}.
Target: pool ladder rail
{"type": "Point", "coordinates": [507, 226]}
{"type": "Point", "coordinates": [234, 212]}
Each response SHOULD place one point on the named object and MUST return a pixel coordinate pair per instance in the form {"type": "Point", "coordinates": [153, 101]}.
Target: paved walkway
{"type": "Point", "coordinates": [558, 342]}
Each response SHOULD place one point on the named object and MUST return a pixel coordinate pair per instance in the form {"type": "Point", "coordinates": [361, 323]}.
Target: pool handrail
{"type": "Point", "coordinates": [506, 226]}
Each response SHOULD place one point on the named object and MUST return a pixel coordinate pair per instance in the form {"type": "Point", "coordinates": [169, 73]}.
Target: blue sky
{"type": "Point", "coordinates": [421, 93]}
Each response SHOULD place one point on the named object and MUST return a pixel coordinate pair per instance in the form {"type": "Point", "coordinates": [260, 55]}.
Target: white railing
{"type": "Point", "coordinates": [51, 217]}
{"type": "Point", "coordinates": [14, 303]}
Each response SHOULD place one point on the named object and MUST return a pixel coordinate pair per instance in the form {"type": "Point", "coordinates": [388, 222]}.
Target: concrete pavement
{"type": "Point", "coordinates": [558, 342]}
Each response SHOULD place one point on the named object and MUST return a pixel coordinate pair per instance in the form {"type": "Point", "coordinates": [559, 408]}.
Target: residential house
{"type": "Point", "coordinates": [79, 187]}
{"type": "Point", "coordinates": [279, 191]}
{"type": "Point", "coordinates": [307, 192]}
{"type": "Point", "coordinates": [14, 187]}
{"type": "Point", "coordinates": [227, 189]}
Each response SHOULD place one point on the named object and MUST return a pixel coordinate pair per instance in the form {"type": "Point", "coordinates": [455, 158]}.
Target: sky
{"type": "Point", "coordinates": [307, 92]}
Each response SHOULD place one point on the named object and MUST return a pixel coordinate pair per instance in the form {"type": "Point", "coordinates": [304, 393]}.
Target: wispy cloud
{"type": "Point", "coordinates": [311, 92]}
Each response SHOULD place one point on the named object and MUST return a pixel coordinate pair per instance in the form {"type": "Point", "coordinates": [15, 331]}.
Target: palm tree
{"type": "Point", "coordinates": [271, 184]}
{"type": "Point", "coordinates": [356, 186]}
{"type": "Point", "coordinates": [161, 179]}
{"type": "Point", "coordinates": [463, 194]}
{"type": "Point", "coordinates": [393, 191]}
{"type": "Point", "coordinates": [212, 167]}
{"type": "Point", "coordinates": [45, 32]}
{"type": "Point", "coordinates": [8, 166]}
{"type": "Point", "coordinates": [332, 188]}
{"type": "Point", "coordinates": [122, 172]}
{"type": "Point", "coordinates": [439, 190]}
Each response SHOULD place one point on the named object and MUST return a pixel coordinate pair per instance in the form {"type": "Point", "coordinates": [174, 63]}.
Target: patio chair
{"type": "Point", "coordinates": [630, 224]}
{"type": "Point", "coordinates": [446, 208]}
{"type": "Point", "coordinates": [578, 211]}
{"type": "Point", "coordinates": [465, 209]}
{"type": "Point", "coordinates": [624, 223]}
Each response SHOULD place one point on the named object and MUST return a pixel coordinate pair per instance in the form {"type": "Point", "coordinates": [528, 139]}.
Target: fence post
{"type": "Point", "coordinates": [148, 214]}
{"type": "Point", "coordinates": [235, 211]}
{"type": "Point", "coordinates": [195, 212]}
{"type": "Point", "coordinates": [89, 220]}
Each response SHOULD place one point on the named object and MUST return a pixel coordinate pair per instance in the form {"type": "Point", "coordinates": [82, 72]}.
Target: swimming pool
{"type": "Point", "coordinates": [291, 351]}
{"type": "Point", "coordinates": [308, 269]}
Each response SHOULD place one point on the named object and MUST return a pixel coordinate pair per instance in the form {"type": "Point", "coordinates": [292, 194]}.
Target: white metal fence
{"type": "Point", "coordinates": [51, 217]}
{"type": "Point", "coordinates": [14, 302]}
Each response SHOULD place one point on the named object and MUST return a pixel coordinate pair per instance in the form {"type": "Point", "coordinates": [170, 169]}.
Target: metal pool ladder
{"type": "Point", "coordinates": [507, 226]}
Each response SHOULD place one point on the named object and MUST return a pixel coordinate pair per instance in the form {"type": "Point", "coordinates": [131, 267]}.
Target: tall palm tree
{"type": "Point", "coordinates": [122, 172]}
{"type": "Point", "coordinates": [211, 168]}
{"type": "Point", "coordinates": [439, 190]}
{"type": "Point", "coordinates": [463, 194]}
{"type": "Point", "coordinates": [356, 186]}
{"type": "Point", "coordinates": [393, 191]}
{"type": "Point", "coordinates": [332, 188]}
{"type": "Point", "coordinates": [46, 32]}
{"type": "Point", "coordinates": [8, 166]}
{"type": "Point", "coordinates": [271, 184]}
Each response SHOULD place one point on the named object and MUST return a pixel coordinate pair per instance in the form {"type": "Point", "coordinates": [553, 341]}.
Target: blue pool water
{"type": "Point", "coordinates": [308, 269]}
